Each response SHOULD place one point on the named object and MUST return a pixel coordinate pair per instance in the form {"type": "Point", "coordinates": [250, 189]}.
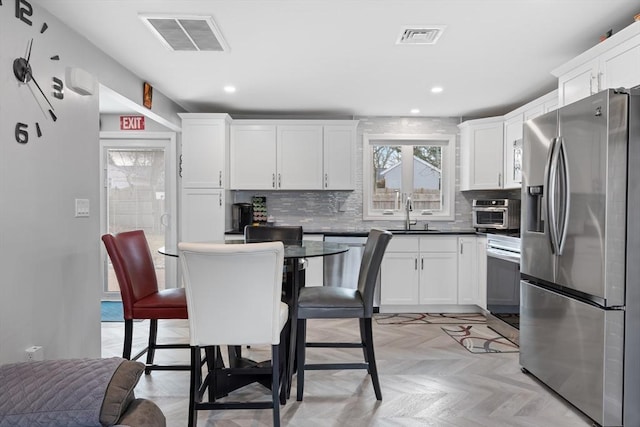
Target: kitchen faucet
{"type": "Point", "coordinates": [407, 209]}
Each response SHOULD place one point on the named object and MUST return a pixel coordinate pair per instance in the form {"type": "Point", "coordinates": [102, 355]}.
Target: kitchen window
{"type": "Point", "coordinates": [396, 167]}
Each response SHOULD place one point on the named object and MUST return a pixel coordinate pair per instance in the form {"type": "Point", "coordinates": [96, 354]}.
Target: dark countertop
{"type": "Point", "coordinates": [363, 233]}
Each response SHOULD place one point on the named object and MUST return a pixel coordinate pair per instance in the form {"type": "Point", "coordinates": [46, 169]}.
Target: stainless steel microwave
{"type": "Point", "coordinates": [497, 214]}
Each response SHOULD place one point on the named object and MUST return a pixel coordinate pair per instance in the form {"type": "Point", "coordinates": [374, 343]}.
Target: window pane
{"type": "Point", "coordinates": [427, 177]}
{"type": "Point", "coordinates": [135, 201]}
{"type": "Point", "coordinates": [387, 177]}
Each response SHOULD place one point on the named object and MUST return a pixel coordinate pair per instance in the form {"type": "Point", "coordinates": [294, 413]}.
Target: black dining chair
{"type": "Point", "coordinates": [332, 302]}
{"type": "Point", "coordinates": [289, 235]}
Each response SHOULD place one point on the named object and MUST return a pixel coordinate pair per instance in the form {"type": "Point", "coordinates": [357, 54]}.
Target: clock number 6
{"type": "Point", "coordinates": [22, 135]}
{"type": "Point", "coordinates": [23, 11]}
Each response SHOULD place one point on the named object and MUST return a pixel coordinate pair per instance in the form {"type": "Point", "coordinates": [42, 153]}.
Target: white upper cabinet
{"type": "Point", "coordinates": [339, 156]}
{"type": "Point", "coordinates": [299, 165]}
{"type": "Point", "coordinates": [612, 63]}
{"type": "Point", "coordinates": [205, 141]}
{"type": "Point", "coordinates": [513, 151]}
{"type": "Point", "coordinates": [292, 155]}
{"type": "Point", "coordinates": [252, 161]}
{"type": "Point", "coordinates": [481, 154]}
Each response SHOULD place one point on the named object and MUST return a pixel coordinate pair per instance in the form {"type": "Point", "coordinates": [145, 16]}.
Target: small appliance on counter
{"type": "Point", "coordinates": [496, 214]}
{"type": "Point", "coordinates": [241, 216]}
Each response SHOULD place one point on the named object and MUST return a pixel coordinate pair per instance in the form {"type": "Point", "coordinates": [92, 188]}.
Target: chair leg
{"type": "Point", "coordinates": [285, 335]}
{"type": "Point", "coordinates": [275, 384]}
{"type": "Point", "coordinates": [128, 339]}
{"type": "Point", "coordinates": [363, 340]}
{"type": "Point", "coordinates": [196, 375]}
{"type": "Point", "coordinates": [373, 370]}
{"type": "Point", "coordinates": [151, 349]}
{"type": "Point", "coordinates": [300, 349]}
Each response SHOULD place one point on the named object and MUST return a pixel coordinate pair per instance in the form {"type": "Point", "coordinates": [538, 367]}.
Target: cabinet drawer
{"type": "Point", "coordinates": [438, 244]}
{"type": "Point", "coordinates": [403, 244]}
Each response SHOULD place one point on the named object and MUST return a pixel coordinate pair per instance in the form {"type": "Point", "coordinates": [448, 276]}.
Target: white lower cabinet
{"type": "Point", "coordinates": [468, 291]}
{"type": "Point", "coordinates": [419, 271]}
{"type": "Point", "coordinates": [314, 270]}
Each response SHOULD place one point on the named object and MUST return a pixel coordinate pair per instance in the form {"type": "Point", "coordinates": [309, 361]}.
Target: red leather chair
{"type": "Point", "coordinates": [141, 299]}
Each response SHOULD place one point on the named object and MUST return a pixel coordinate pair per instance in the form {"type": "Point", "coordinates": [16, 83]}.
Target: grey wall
{"type": "Point", "coordinates": [320, 210]}
{"type": "Point", "coordinates": [50, 260]}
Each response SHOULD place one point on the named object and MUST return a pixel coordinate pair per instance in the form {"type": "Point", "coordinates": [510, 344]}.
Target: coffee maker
{"type": "Point", "coordinates": [241, 216]}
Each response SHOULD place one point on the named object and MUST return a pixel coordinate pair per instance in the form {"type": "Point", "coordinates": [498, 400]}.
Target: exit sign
{"type": "Point", "coordinates": [131, 122]}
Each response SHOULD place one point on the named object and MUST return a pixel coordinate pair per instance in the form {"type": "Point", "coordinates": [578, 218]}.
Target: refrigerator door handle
{"type": "Point", "coordinates": [551, 175]}
{"type": "Point", "coordinates": [566, 193]}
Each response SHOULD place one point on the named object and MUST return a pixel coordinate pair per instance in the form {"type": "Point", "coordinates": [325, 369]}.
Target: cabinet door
{"type": "Point", "coordinates": [204, 153]}
{"type": "Point", "coordinates": [513, 152]}
{"type": "Point", "coordinates": [339, 157]}
{"type": "Point", "coordinates": [484, 146]}
{"type": "Point", "coordinates": [481, 264]}
{"type": "Point", "coordinates": [439, 278]}
{"type": "Point", "coordinates": [314, 272]}
{"type": "Point", "coordinates": [620, 66]}
{"type": "Point", "coordinates": [252, 155]}
{"type": "Point", "coordinates": [578, 83]}
{"type": "Point", "coordinates": [468, 292]}
{"type": "Point", "coordinates": [299, 158]}
{"type": "Point", "coordinates": [202, 215]}
{"type": "Point", "coordinates": [399, 277]}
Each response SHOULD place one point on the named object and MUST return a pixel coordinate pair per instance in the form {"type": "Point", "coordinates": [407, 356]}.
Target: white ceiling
{"type": "Point", "coordinates": [338, 58]}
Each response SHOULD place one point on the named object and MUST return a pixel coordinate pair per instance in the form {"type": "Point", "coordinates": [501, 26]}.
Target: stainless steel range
{"type": "Point", "coordinates": [503, 285]}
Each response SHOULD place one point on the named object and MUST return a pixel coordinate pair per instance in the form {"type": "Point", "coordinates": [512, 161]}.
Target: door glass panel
{"type": "Point", "coordinates": [136, 201]}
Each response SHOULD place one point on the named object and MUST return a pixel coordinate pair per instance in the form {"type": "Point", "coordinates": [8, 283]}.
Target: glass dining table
{"type": "Point", "coordinates": [294, 253]}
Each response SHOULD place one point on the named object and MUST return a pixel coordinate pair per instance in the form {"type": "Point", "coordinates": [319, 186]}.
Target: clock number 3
{"type": "Point", "coordinates": [58, 88]}
{"type": "Point", "coordinates": [24, 11]}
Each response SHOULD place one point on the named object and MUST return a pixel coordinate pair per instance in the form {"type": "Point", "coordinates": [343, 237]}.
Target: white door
{"type": "Point", "coordinates": [138, 192]}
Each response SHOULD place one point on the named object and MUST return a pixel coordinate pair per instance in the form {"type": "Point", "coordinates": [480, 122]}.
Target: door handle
{"type": "Point", "coordinates": [164, 219]}
{"type": "Point", "coordinates": [220, 179]}
{"type": "Point", "coordinates": [273, 180]}
{"type": "Point", "coordinates": [566, 193]}
{"type": "Point", "coordinates": [548, 195]}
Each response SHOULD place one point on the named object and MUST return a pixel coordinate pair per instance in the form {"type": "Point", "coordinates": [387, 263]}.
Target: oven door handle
{"type": "Point", "coordinates": [503, 256]}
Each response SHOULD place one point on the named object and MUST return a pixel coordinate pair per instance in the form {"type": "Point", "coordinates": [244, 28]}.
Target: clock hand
{"type": "Point", "coordinates": [53, 116]}
{"type": "Point", "coordinates": [29, 50]}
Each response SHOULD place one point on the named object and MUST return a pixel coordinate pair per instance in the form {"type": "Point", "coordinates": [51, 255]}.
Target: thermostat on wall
{"type": "Point", "coordinates": [80, 81]}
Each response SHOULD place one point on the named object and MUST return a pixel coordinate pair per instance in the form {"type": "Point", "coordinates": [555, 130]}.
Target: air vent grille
{"type": "Point", "coordinates": [186, 33]}
{"type": "Point", "coordinates": [420, 34]}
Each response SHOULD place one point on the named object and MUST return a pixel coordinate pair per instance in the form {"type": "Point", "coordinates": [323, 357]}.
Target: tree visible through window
{"type": "Point", "coordinates": [402, 168]}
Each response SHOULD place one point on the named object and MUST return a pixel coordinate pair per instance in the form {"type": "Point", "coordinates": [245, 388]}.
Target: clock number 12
{"type": "Point", "coordinates": [23, 11]}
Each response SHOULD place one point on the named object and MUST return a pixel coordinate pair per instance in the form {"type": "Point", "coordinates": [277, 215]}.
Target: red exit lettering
{"type": "Point", "coordinates": [131, 122]}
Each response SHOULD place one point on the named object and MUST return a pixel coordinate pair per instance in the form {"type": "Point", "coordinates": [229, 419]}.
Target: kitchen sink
{"type": "Point", "coordinates": [417, 231]}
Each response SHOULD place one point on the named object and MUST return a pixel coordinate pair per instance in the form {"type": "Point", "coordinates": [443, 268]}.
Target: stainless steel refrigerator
{"type": "Point", "coordinates": [580, 260]}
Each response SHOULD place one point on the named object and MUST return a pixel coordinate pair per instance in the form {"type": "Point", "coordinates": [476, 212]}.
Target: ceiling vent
{"type": "Point", "coordinates": [420, 34]}
{"type": "Point", "coordinates": [186, 33]}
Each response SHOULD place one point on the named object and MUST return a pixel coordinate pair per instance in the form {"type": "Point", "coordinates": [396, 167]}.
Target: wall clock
{"type": "Point", "coordinates": [45, 90]}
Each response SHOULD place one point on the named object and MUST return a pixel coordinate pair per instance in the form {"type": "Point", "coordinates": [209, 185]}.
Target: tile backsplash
{"type": "Point", "coordinates": [342, 210]}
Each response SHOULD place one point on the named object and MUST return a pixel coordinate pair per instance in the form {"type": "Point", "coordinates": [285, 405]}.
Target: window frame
{"type": "Point", "coordinates": [448, 176]}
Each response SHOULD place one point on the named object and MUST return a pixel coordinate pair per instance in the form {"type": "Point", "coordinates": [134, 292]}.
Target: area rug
{"type": "Point", "coordinates": [480, 339]}
{"type": "Point", "coordinates": [111, 311]}
{"type": "Point", "coordinates": [428, 318]}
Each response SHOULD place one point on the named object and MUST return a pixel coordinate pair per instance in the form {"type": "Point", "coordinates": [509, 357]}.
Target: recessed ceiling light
{"type": "Point", "coordinates": [436, 89]}
{"type": "Point", "coordinates": [414, 111]}
{"type": "Point", "coordinates": [229, 89]}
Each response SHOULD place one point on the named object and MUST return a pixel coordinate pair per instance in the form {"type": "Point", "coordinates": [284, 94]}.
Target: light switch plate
{"type": "Point", "coordinates": [82, 208]}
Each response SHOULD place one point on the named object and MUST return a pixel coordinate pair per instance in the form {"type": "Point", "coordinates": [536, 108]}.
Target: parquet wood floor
{"type": "Point", "coordinates": [427, 380]}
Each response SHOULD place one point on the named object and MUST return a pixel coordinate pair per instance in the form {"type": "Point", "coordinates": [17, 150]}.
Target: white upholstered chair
{"type": "Point", "coordinates": [233, 298]}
